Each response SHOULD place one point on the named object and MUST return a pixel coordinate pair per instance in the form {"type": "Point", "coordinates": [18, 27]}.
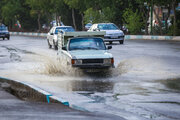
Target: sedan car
{"type": "Point", "coordinates": [113, 33]}
{"type": "Point", "coordinates": [52, 35]}
{"type": "Point", "coordinates": [4, 33]}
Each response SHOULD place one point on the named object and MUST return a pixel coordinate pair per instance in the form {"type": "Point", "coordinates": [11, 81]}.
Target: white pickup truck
{"type": "Point", "coordinates": [85, 50]}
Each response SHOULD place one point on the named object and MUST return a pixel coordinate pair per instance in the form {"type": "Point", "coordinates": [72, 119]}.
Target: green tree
{"type": "Point", "coordinates": [10, 11]}
{"type": "Point", "coordinates": [38, 9]}
{"type": "Point", "coordinates": [133, 20]}
{"type": "Point", "coordinates": [78, 6]}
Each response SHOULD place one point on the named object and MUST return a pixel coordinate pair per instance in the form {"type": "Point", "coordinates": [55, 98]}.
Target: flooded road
{"type": "Point", "coordinates": [144, 85]}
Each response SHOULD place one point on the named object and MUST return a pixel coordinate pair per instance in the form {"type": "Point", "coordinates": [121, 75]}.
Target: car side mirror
{"type": "Point", "coordinates": [64, 48]}
{"type": "Point", "coordinates": [109, 47]}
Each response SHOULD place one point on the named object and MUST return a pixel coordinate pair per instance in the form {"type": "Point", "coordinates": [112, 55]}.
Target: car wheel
{"type": "Point", "coordinates": [3, 38]}
{"type": "Point", "coordinates": [110, 42]}
{"type": "Point", "coordinates": [121, 42]}
{"type": "Point", "coordinates": [8, 38]}
{"type": "Point", "coordinates": [55, 46]}
{"type": "Point", "coordinates": [50, 46]}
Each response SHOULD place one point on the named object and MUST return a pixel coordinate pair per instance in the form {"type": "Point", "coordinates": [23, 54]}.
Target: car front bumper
{"type": "Point", "coordinates": [109, 38]}
{"type": "Point", "coordinates": [91, 66]}
{"type": "Point", "coordinates": [94, 68]}
{"type": "Point", "coordinates": [4, 35]}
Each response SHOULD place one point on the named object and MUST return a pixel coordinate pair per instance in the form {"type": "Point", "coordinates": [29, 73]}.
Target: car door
{"type": "Point", "coordinates": [51, 35]}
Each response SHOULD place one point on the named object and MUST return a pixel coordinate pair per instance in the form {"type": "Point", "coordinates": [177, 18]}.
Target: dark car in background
{"type": "Point", "coordinates": [4, 33]}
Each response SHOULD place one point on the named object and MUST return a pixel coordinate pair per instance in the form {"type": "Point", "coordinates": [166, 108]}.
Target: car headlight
{"type": "Point", "coordinates": [109, 61]}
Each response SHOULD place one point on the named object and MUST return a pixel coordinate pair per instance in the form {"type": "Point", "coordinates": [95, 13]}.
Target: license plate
{"type": "Point", "coordinates": [114, 37]}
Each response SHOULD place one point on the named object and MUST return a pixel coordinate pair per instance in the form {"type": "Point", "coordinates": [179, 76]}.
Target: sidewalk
{"type": "Point", "coordinates": [11, 108]}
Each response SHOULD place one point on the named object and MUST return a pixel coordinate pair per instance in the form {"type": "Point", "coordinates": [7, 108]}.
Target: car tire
{"type": "Point", "coordinates": [3, 38]}
{"type": "Point", "coordinates": [55, 46]}
{"type": "Point", "coordinates": [121, 42]}
{"type": "Point", "coordinates": [110, 42]}
{"type": "Point", "coordinates": [8, 38]}
{"type": "Point", "coordinates": [49, 45]}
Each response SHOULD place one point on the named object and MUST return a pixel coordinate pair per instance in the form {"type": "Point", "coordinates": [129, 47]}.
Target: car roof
{"type": "Point", "coordinates": [105, 23]}
{"type": "Point", "coordinates": [62, 26]}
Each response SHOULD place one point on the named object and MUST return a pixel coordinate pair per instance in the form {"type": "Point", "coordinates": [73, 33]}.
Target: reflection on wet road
{"type": "Point", "coordinates": [144, 85]}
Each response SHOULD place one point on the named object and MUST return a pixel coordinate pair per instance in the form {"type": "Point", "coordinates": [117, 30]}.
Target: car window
{"type": "Point", "coordinates": [51, 31]}
{"type": "Point", "coordinates": [3, 28]}
{"type": "Point", "coordinates": [66, 29]}
{"type": "Point", "coordinates": [107, 27]}
{"type": "Point", "coordinates": [86, 44]}
{"type": "Point", "coordinates": [92, 27]}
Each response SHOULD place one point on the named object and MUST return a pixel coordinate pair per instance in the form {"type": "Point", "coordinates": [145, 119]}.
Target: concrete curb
{"type": "Point", "coordinates": [151, 37]}
{"type": "Point", "coordinates": [29, 34]}
{"type": "Point", "coordinates": [37, 93]}
{"type": "Point", "coordinates": [127, 37]}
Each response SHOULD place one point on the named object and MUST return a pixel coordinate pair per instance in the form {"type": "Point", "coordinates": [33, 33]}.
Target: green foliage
{"type": "Point", "coordinates": [98, 16]}
{"type": "Point", "coordinates": [10, 11]}
{"type": "Point", "coordinates": [133, 20]}
{"type": "Point", "coordinates": [33, 13]}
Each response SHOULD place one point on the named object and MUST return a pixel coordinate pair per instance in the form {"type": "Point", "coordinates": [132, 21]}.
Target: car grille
{"type": "Point", "coordinates": [109, 37]}
{"type": "Point", "coordinates": [89, 61]}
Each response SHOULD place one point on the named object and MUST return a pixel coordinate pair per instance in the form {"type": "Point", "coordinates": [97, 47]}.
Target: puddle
{"type": "Point", "coordinates": [91, 86]}
{"type": "Point", "coordinates": [172, 83]}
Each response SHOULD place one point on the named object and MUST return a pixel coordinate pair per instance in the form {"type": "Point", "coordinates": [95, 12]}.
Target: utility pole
{"type": "Point", "coordinates": [151, 17]}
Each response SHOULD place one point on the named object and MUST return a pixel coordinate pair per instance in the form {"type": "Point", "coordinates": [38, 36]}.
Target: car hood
{"type": "Point", "coordinates": [90, 54]}
{"type": "Point", "coordinates": [109, 32]}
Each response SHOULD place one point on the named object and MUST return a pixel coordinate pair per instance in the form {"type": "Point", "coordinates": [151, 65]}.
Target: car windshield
{"type": "Point", "coordinates": [107, 27]}
{"type": "Point", "coordinates": [89, 24]}
{"type": "Point", "coordinates": [3, 28]}
{"type": "Point", "coordinates": [86, 44]}
{"type": "Point", "coordinates": [66, 29]}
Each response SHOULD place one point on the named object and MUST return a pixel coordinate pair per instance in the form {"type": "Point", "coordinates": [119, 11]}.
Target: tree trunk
{"type": "Point", "coordinates": [146, 18]}
{"type": "Point", "coordinates": [73, 17]}
{"type": "Point", "coordinates": [159, 21]}
{"type": "Point", "coordinates": [56, 20]}
{"type": "Point", "coordinates": [166, 19]}
{"type": "Point", "coordinates": [174, 22]}
{"type": "Point", "coordinates": [82, 22]}
{"type": "Point", "coordinates": [39, 23]}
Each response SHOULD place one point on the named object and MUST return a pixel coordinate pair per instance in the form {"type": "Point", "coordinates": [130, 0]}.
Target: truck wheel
{"type": "Point", "coordinates": [55, 46]}
{"type": "Point", "coordinates": [50, 46]}
{"type": "Point", "coordinates": [121, 42]}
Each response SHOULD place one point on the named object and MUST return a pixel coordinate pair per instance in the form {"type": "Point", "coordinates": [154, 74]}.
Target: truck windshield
{"type": "Point", "coordinates": [86, 44]}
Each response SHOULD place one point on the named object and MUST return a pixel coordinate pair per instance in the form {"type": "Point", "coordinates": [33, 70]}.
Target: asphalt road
{"type": "Point", "coordinates": [144, 85]}
{"type": "Point", "coordinates": [11, 108]}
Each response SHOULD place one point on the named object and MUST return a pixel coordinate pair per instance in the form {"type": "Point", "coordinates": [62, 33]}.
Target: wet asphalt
{"type": "Point", "coordinates": [145, 83]}
{"type": "Point", "coordinates": [12, 108]}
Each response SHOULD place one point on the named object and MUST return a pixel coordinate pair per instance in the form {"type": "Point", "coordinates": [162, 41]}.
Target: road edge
{"type": "Point", "coordinates": [127, 37]}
